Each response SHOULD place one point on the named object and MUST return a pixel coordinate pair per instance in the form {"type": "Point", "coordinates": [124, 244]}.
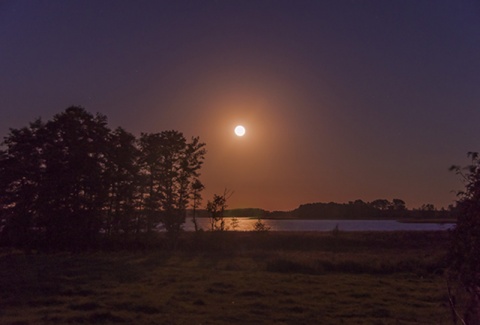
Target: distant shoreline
{"type": "Point", "coordinates": [356, 210]}
{"type": "Point", "coordinates": [404, 220]}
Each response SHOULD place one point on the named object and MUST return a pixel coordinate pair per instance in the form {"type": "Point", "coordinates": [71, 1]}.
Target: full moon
{"type": "Point", "coordinates": [239, 131]}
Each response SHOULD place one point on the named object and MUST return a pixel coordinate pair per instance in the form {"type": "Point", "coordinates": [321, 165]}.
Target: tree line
{"type": "Point", "coordinates": [69, 181]}
{"type": "Point", "coordinates": [464, 254]}
{"type": "Point", "coordinates": [359, 209]}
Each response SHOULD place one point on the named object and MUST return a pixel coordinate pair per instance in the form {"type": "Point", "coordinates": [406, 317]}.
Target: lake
{"type": "Point", "coordinates": [246, 224]}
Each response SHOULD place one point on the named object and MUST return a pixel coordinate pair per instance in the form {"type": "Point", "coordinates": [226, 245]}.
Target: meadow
{"type": "Point", "coordinates": [234, 278]}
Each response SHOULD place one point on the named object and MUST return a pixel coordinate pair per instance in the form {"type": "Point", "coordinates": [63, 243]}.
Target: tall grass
{"type": "Point", "coordinates": [233, 278]}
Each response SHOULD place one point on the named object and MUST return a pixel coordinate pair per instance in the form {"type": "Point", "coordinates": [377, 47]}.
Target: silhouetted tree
{"type": "Point", "coordinates": [22, 169]}
{"type": "Point", "coordinates": [398, 205]}
{"type": "Point", "coordinates": [71, 180]}
{"type": "Point", "coordinates": [122, 180]}
{"type": "Point", "coordinates": [216, 209]}
{"type": "Point", "coordinates": [170, 165]}
{"type": "Point", "coordinates": [74, 190]}
{"type": "Point", "coordinates": [150, 156]}
{"type": "Point", "coordinates": [260, 226]}
{"type": "Point", "coordinates": [196, 190]}
{"type": "Point", "coordinates": [381, 204]}
{"type": "Point", "coordinates": [464, 254]}
{"type": "Point", "coordinates": [359, 209]}
{"type": "Point", "coordinates": [427, 210]}
{"type": "Point", "coordinates": [53, 179]}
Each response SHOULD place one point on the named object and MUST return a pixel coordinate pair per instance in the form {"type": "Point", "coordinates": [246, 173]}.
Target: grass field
{"type": "Point", "coordinates": [235, 278]}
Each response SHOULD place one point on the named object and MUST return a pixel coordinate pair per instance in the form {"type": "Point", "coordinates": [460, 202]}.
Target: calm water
{"type": "Point", "coordinates": [245, 224]}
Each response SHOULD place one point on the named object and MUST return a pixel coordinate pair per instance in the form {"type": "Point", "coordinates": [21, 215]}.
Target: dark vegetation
{"type": "Point", "coordinates": [235, 278]}
{"type": "Point", "coordinates": [464, 256]}
{"type": "Point", "coordinates": [71, 182]}
{"type": "Point", "coordinates": [381, 209]}
{"type": "Point", "coordinates": [360, 210]}
{"type": "Point", "coordinates": [216, 209]}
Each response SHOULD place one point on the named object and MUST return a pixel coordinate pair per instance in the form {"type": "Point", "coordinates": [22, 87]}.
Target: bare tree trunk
{"type": "Point", "coordinates": [194, 219]}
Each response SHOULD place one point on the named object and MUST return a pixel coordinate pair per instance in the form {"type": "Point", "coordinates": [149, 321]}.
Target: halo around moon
{"type": "Point", "coordinates": [240, 131]}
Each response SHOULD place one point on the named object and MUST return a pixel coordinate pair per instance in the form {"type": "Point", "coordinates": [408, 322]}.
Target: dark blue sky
{"type": "Point", "coordinates": [342, 100]}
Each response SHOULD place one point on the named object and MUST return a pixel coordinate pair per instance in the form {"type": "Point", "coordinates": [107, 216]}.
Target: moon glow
{"type": "Point", "coordinates": [239, 131]}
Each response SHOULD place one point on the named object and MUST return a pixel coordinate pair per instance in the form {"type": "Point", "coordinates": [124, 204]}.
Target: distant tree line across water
{"type": "Point", "coordinates": [360, 210]}
{"type": "Point", "coordinates": [70, 181]}
{"type": "Point", "coordinates": [354, 210]}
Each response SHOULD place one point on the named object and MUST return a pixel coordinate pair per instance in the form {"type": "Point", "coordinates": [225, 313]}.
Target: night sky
{"type": "Point", "coordinates": [342, 100]}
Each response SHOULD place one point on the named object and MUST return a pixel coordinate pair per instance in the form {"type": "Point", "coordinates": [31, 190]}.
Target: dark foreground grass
{"type": "Point", "coordinates": [246, 278]}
